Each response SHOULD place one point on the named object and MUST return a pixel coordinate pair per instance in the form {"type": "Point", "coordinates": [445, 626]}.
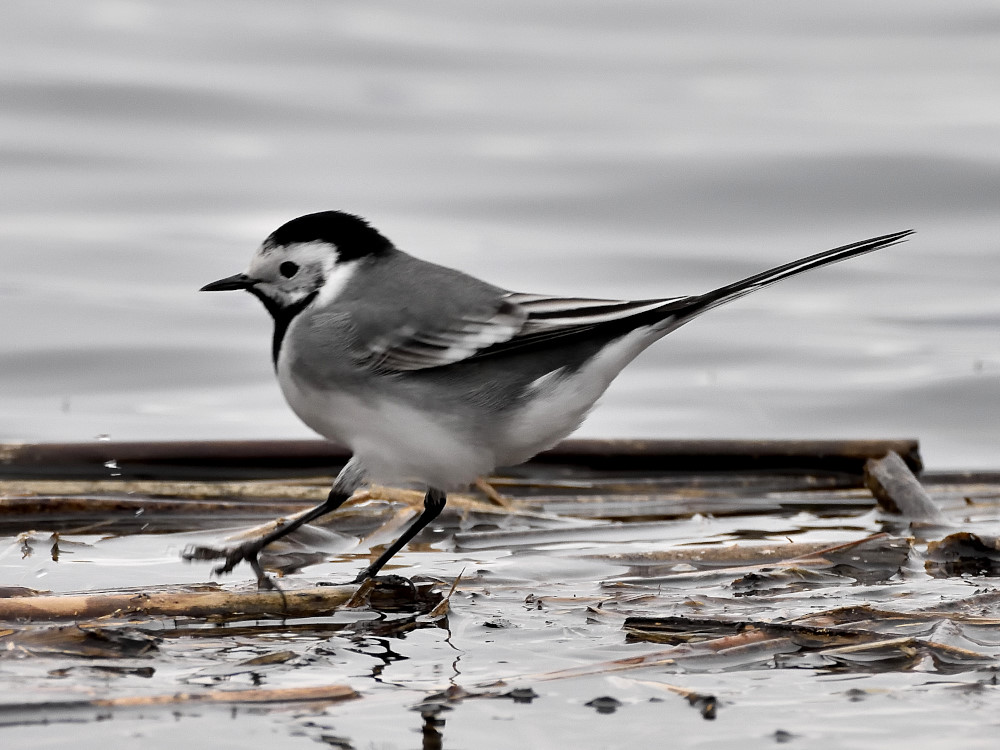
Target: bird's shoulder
{"type": "Point", "coordinates": [407, 314]}
{"type": "Point", "coordinates": [402, 313]}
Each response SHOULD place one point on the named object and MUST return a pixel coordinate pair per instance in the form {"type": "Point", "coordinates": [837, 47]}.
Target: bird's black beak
{"type": "Point", "coordinates": [239, 281]}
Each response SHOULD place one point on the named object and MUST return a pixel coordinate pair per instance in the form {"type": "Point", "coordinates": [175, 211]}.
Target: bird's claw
{"type": "Point", "coordinates": [233, 556]}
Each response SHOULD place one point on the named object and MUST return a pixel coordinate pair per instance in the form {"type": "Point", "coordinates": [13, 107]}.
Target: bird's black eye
{"type": "Point", "coordinates": [288, 269]}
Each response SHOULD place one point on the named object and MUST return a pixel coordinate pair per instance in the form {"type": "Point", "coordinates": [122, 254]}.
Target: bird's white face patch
{"type": "Point", "coordinates": [288, 274]}
{"type": "Point", "coordinates": [337, 277]}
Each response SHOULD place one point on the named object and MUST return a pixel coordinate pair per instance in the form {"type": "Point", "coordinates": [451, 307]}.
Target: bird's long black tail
{"type": "Point", "coordinates": [693, 306]}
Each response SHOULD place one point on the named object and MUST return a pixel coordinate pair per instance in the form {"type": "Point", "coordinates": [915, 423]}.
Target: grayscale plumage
{"type": "Point", "coordinates": [433, 377]}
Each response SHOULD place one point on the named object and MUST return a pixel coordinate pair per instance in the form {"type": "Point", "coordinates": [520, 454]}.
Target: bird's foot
{"type": "Point", "coordinates": [233, 556]}
{"type": "Point", "coordinates": [364, 575]}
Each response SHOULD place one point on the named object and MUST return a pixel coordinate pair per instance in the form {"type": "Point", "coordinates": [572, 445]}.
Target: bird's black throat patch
{"type": "Point", "coordinates": [283, 317]}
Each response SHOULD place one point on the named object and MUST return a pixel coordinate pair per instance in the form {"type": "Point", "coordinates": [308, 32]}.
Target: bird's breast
{"type": "Point", "coordinates": [396, 440]}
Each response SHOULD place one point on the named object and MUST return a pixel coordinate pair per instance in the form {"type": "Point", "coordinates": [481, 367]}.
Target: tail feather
{"type": "Point", "coordinates": [552, 320]}
{"type": "Point", "coordinates": [696, 305]}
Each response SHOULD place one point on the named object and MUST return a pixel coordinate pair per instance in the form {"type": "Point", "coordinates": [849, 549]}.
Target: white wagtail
{"type": "Point", "coordinates": [431, 376]}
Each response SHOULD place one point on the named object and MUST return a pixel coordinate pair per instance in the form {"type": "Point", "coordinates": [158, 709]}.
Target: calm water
{"type": "Point", "coordinates": [628, 150]}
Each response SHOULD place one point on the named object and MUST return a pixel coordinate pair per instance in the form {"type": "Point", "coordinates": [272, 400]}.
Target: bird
{"type": "Point", "coordinates": [432, 377]}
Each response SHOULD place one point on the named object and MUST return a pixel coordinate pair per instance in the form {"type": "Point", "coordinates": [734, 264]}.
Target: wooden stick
{"type": "Point", "coordinates": [898, 491]}
{"type": "Point", "coordinates": [491, 493]}
{"type": "Point", "coordinates": [284, 492]}
{"type": "Point", "coordinates": [226, 459]}
{"type": "Point", "coordinates": [27, 712]}
{"type": "Point", "coordinates": [177, 603]}
{"type": "Point", "coordinates": [723, 556]}
{"type": "Point", "coordinates": [256, 695]}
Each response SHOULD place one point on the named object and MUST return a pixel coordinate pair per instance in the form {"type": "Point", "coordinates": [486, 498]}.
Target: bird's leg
{"type": "Point", "coordinates": [350, 477]}
{"type": "Point", "coordinates": [249, 550]}
{"type": "Point", "coordinates": [434, 502]}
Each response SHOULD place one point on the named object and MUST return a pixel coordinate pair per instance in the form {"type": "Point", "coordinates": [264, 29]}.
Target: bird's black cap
{"type": "Point", "coordinates": [353, 236]}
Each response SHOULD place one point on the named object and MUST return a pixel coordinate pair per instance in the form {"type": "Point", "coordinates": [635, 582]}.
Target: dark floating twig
{"type": "Point", "coordinates": [244, 459]}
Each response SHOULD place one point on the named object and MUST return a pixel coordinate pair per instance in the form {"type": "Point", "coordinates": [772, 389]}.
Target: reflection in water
{"type": "Point", "coordinates": [379, 648]}
{"type": "Point", "coordinates": [433, 724]}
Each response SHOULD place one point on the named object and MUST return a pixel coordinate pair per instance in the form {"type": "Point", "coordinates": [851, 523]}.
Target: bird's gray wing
{"type": "Point", "coordinates": [411, 346]}
{"type": "Point", "coordinates": [517, 320]}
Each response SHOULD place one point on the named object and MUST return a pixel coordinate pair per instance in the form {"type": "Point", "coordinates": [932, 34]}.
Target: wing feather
{"type": "Point", "coordinates": [518, 320]}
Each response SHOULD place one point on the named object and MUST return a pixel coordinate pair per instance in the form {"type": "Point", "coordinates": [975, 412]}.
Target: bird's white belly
{"type": "Point", "coordinates": [398, 441]}
{"type": "Point", "coordinates": [394, 442]}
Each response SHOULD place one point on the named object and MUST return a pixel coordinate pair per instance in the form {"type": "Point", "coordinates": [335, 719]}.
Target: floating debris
{"type": "Point", "coordinates": [898, 491]}
{"type": "Point", "coordinates": [963, 553]}
{"type": "Point", "coordinates": [13, 714]}
{"type": "Point", "coordinates": [597, 577]}
{"type": "Point", "coordinates": [605, 704]}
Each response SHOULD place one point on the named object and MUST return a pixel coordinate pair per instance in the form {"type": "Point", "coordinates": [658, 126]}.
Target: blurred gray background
{"type": "Point", "coordinates": [628, 149]}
